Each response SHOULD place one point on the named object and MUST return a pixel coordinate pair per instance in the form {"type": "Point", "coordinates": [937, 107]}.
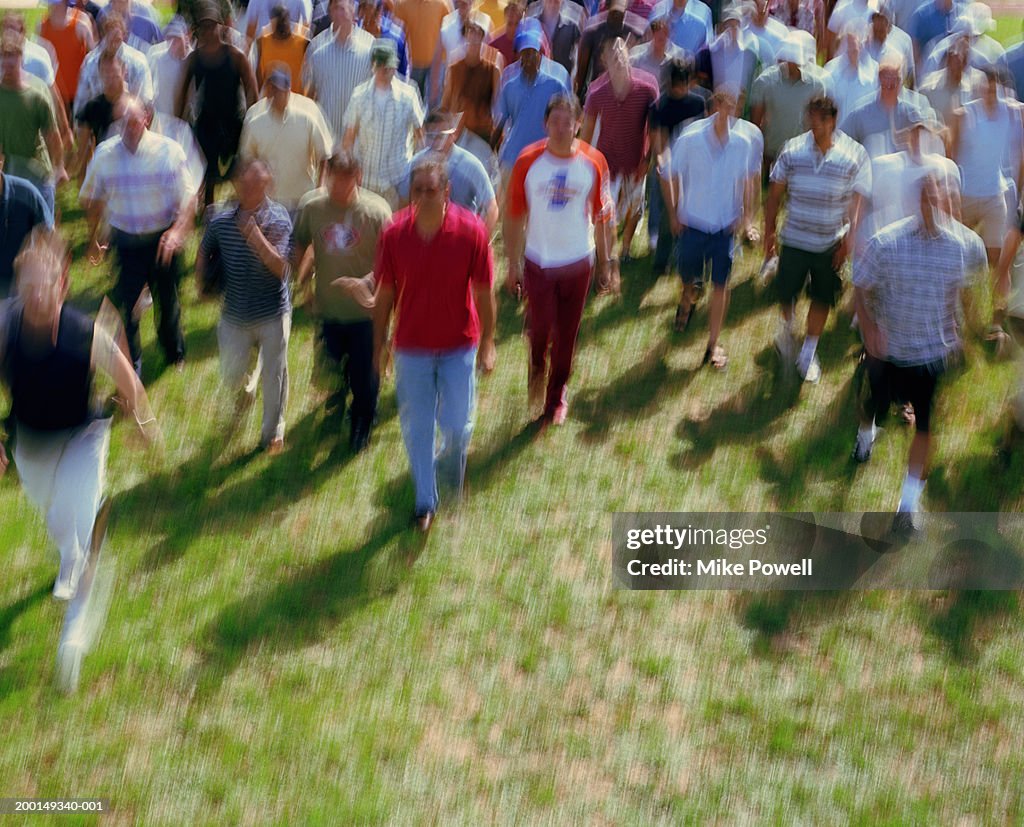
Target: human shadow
{"type": "Point", "coordinates": [632, 395]}
{"type": "Point", "coordinates": [7, 618]}
{"type": "Point", "coordinates": [750, 415]}
{"type": "Point", "coordinates": [198, 484]}
{"type": "Point", "coordinates": [967, 618]}
{"type": "Point", "coordinates": [300, 610]}
{"type": "Point", "coordinates": [772, 615]}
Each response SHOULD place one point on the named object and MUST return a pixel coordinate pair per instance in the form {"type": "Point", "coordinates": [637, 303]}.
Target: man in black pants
{"type": "Point", "coordinates": [141, 181]}
{"type": "Point", "coordinates": [343, 222]}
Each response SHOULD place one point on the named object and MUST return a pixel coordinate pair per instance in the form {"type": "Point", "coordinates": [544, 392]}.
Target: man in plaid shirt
{"type": "Point", "coordinates": [383, 123]}
{"type": "Point", "coordinates": [907, 284]}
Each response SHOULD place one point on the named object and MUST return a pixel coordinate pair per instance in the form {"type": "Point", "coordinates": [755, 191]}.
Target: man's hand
{"type": "Point", "coordinates": [608, 279]}
{"type": "Point", "coordinates": [357, 290]}
{"type": "Point", "coordinates": [60, 175]}
{"type": "Point", "coordinates": [4, 462]}
{"type": "Point", "coordinates": [677, 227]}
{"type": "Point", "coordinates": [842, 251]}
{"type": "Point", "coordinates": [486, 356]}
{"type": "Point", "coordinates": [769, 244]}
{"type": "Point", "coordinates": [97, 252]}
{"type": "Point", "coordinates": [254, 236]}
{"type": "Point", "coordinates": [170, 243]}
{"type": "Point", "coordinates": [514, 279]}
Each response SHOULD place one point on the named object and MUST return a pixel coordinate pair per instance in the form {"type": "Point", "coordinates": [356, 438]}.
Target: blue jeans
{"type": "Point", "coordinates": [436, 391]}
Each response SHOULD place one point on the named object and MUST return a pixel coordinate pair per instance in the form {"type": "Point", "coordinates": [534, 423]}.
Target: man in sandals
{"type": "Point", "coordinates": [708, 180]}
{"type": "Point", "coordinates": [826, 175]}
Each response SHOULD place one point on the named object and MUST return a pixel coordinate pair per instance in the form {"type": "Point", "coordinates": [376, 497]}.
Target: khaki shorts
{"type": "Point", "coordinates": [628, 194]}
{"type": "Point", "coordinates": [988, 217]}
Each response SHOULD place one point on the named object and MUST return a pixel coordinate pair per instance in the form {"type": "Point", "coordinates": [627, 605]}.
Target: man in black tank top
{"type": "Point", "coordinates": [48, 355]}
{"type": "Point", "coordinates": [223, 77]}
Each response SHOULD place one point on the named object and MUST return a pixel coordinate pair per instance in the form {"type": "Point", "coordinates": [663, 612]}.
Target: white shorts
{"type": "Point", "coordinates": [628, 194]}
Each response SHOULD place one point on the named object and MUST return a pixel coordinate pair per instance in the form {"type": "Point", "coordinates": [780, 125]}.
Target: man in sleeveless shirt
{"type": "Point", "coordinates": [49, 353]}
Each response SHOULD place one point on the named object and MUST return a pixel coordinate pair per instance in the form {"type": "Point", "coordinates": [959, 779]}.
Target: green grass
{"type": "Point", "coordinates": [282, 649]}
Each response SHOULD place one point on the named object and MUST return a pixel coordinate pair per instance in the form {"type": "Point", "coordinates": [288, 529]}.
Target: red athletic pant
{"type": "Point", "coordinates": [555, 299]}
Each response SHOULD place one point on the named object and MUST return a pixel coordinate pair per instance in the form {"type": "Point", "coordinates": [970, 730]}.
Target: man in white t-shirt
{"type": "Point", "coordinates": [559, 213]}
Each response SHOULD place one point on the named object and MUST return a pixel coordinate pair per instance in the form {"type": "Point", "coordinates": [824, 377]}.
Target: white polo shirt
{"type": "Point", "coordinates": [710, 176]}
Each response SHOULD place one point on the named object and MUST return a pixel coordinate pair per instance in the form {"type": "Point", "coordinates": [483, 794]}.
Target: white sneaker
{"type": "Point", "coordinates": [66, 585]}
{"type": "Point", "coordinates": [812, 372]}
{"type": "Point", "coordinates": [69, 667]}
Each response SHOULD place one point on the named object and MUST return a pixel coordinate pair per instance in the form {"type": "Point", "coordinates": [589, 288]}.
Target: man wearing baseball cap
{"type": "Point", "coordinates": [376, 20]}
{"type": "Point", "coordinates": [524, 98]}
{"type": "Point", "coordinates": [383, 123]}
{"type": "Point", "coordinates": [287, 131]}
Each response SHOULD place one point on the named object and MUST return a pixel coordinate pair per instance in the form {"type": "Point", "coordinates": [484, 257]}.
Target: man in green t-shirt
{"type": "Point", "coordinates": [343, 222]}
{"type": "Point", "coordinates": [28, 128]}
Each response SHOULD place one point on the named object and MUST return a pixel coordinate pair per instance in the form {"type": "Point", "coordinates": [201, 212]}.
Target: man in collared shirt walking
{"type": "Point", "coordinates": [141, 181]}
{"type": "Point", "coordinates": [338, 64]}
{"type": "Point", "coordinates": [827, 175]}
{"type": "Point", "coordinates": [907, 285]}
{"type": "Point", "coordinates": [435, 269]}
{"type": "Point", "coordinates": [711, 172]}
{"type": "Point", "coordinates": [251, 241]}
{"type": "Point", "coordinates": [383, 123]}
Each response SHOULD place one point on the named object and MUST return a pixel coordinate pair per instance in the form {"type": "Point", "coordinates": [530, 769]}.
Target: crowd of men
{"type": "Point", "coordinates": [374, 148]}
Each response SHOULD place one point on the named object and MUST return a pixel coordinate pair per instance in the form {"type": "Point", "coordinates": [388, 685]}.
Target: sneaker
{"type": "Point", "coordinates": [360, 438]}
{"type": "Point", "coordinates": [904, 523]}
{"type": "Point", "coordinates": [65, 587]}
{"type": "Point", "coordinates": [812, 373]}
{"type": "Point", "coordinates": [69, 666]}
{"type": "Point", "coordinates": [862, 447]}
{"type": "Point", "coordinates": [560, 414]}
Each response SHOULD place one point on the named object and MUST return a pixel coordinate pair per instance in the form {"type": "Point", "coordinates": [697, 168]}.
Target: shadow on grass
{"type": "Point", "coordinates": [299, 611]}
{"type": "Point", "coordinates": [967, 618]}
{"type": "Point", "coordinates": [11, 678]}
{"type": "Point", "coordinates": [752, 414]}
{"type": "Point", "coordinates": [772, 615]}
{"type": "Point", "coordinates": [212, 509]}
{"type": "Point", "coordinates": [633, 395]}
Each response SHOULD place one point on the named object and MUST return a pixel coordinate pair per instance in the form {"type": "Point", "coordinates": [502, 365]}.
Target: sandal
{"type": "Point", "coordinates": [716, 357]}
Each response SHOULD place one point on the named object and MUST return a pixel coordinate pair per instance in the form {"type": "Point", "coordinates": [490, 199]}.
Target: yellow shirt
{"type": "Point", "coordinates": [422, 22]}
{"type": "Point", "coordinates": [289, 51]}
{"type": "Point", "coordinates": [494, 10]}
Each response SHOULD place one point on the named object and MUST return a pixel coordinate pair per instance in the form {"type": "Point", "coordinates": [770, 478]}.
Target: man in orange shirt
{"type": "Point", "coordinates": [70, 34]}
{"type": "Point", "coordinates": [283, 43]}
{"type": "Point", "coordinates": [422, 20]}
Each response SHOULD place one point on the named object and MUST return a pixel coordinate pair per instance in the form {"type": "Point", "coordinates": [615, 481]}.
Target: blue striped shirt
{"type": "Point", "coordinates": [252, 294]}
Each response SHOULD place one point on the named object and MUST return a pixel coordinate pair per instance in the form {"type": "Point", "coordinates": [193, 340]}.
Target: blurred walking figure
{"type": "Point", "coordinates": [251, 242]}
{"type": "Point", "coordinates": [908, 285]}
{"type": "Point", "coordinates": [140, 183]}
{"type": "Point", "coordinates": [49, 354]}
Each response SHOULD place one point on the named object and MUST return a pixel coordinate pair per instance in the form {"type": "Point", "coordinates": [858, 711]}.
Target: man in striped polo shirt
{"type": "Point", "coordinates": [827, 175]}
{"type": "Point", "coordinates": [251, 239]}
{"type": "Point", "coordinates": [622, 99]}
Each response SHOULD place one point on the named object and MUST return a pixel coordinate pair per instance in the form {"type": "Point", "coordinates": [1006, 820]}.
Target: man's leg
{"type": "Point", "coordinates": [416, 390]}
{"type": "Point", "coordinates": [571, 290]}
{"type": "Point", "coordinates": [363, 380]}
{"type": "Point", "coordinates": [168, 308]}
{"type": "Point", "coordinates": [133, 274]}
{"type": "Point", "coordinates": [334, 343]}
{"type": "Point", "coordinates": [540, 322]}
{"type": "Point", "coordinates": [690, 253]}
{"type": "Point", "coordinates": [918, 386]}
{"type": "Point", "coordinates": [720, 253]}
{"type": "Point", "coordinates": [273, 341]}
{"type": "Point", "coordinates": [875, 407]}
{"type": "Point", "coordinates": [456, 386]}
{"type": "Point", "coordinates": [235, 344]}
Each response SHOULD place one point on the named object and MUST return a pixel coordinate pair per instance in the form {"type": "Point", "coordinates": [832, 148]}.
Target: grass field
{"type": "Point", "coordinates": [281, 648]}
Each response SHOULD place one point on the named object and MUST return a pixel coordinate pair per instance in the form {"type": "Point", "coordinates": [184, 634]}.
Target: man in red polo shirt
{"type": "Point", "coordinates": [622, 99]}
{"type": "Point", "coordinates": [435, 268]}
{"type": "Point", "coordinates": [559, 210]}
